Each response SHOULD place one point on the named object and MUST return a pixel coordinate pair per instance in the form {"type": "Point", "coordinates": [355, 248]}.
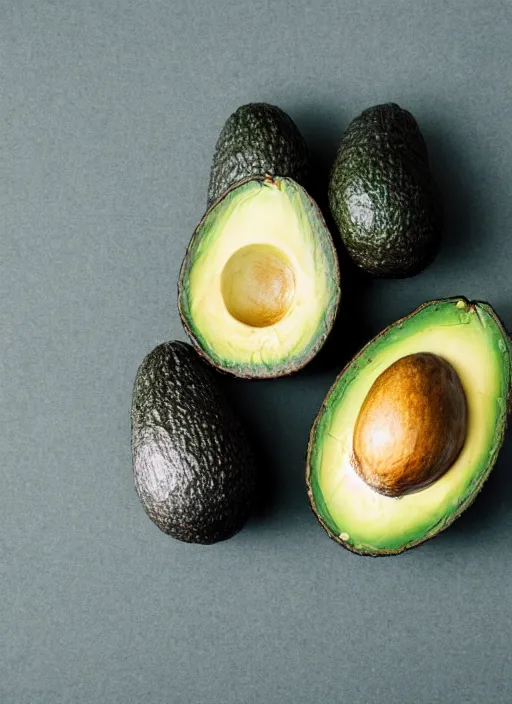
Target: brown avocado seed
{"type": "Point", "coordinates": [412, 425]}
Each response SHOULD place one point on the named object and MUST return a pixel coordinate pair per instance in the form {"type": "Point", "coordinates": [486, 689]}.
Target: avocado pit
{"type": "Point", "coordinates": [258, 285]}
{"type": "Point", "coordinates": [411, 426]}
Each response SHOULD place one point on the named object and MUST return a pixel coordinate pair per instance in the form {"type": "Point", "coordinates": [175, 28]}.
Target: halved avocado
{"type": "Point", "coordinates": [466, 335]}
{"type": "Point", "coordinates": [259, 286]}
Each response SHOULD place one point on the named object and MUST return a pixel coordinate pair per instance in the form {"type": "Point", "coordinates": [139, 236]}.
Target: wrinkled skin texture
{"type": "Point", "coordinates": [382, 195]}
{"type": "Point", "coordinates": [257, 139]}
{"type": "Point", "coordinates": [193, 469]}
{"type": "Point", "coordinates": [411, 426]}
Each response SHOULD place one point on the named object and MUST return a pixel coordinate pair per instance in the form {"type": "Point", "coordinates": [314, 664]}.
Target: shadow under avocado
{"type": "Point", "coordinates": [350, 330]}
{"type": "Point", "coordinates": [277, 416]}
{"type": "Point", "coordinates": [238, 392]}
{"type": "Point", "coordinates": [490, 505]}
{"type": "Point", "coordinates": [457, 185]}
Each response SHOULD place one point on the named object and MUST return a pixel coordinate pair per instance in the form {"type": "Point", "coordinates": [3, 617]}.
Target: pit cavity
{"type": "Point", "coordinates": [258, 285]}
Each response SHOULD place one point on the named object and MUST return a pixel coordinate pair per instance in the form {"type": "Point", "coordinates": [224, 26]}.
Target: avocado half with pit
{"type": "Point", "coordinates": [259, 286]}
{"type": "Point", "coordinates": [411, 428]}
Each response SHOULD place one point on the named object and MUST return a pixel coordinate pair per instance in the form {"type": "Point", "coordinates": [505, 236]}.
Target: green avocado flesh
{"type": "Point", "coordinates": [471, 338]}
{"type": "Point", "coordinates": [259, 286]}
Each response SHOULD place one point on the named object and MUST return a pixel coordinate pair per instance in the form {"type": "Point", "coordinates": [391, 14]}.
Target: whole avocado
{"type": "Point", "coordinates": [257, 139]}
{"type": "Point", "coordinates": [193, 469]}
{"type": "Point", "coordinates": [382, 195]}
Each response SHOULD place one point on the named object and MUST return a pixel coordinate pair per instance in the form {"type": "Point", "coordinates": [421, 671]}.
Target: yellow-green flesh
{"type": "Point", "coordinates": [473, 341]}
{"type": "Point", "coordinates": [281, 215]}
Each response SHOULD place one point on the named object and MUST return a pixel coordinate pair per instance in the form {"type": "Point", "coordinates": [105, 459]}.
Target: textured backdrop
{"type": "Point", "coordinates": [109, 112]}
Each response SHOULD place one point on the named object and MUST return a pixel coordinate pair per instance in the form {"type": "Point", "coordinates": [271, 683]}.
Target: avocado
{"type": "Point", "coordinates": [257, 139]}
{"type": "Point", "coordinates": [382, 195]}
{"type": "Point", "coordinates": [411, 428]}
{"type": "Point", "coordinates": [193, 467]}
{"type": "Point", "coordinates": [259, 286]}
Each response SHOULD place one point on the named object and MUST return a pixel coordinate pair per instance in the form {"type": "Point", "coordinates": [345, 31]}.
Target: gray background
{"type": "Point", "coordinates": [109, 112]}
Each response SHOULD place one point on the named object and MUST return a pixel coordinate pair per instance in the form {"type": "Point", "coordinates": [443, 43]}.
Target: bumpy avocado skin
{"type": "Point", "coordinates": [490, 325]}
{"type": "Point", "coordinates": [193, 469]}
{"type": "Point", "coordinates": [257, 139]}
{"type": "Point", "coordinates": [382, 195]}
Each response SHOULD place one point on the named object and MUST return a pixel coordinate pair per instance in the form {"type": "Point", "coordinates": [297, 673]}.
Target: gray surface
{"type": "Point", "coordinates": [108, 117]}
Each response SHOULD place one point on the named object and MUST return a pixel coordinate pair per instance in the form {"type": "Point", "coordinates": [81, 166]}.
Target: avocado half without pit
{"type": "Point", "coordinates": [259, 286]}
{"type": "Point", "coordinates": [411, 428]}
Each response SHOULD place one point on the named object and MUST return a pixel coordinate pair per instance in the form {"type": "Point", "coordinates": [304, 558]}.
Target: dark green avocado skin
{"type": "Point", "coordinates": [382, 195]}
{"type": "Point", "coordinates": [193, 469]}
{"type": "Point", "coordinates": [257, 139]}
